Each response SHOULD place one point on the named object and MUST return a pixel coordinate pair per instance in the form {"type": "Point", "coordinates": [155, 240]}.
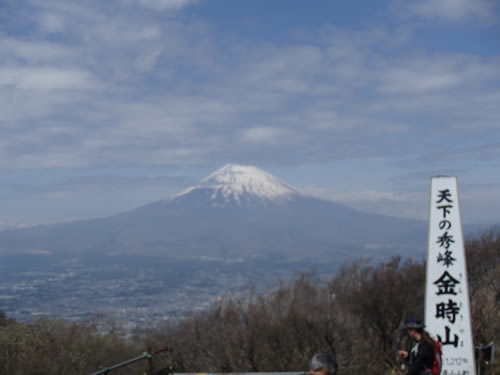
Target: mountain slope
{"type": "Point", "coordinates": [236, 211]}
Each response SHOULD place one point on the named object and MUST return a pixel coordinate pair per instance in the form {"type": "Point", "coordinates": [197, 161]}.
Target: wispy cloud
{"type": "Point", "coordinates": [455, 10]}
{"type": "Point", "coordinates": [163, 5]}
{"type": "Point", "coordinates": [46, 79]}
{"type": "Point", "coordinates": [404, 204]}
{"type": "Point", "coordinates": [133, 87]}
{"type": "Point", "coordinates": [100, 184]}
{"type": "Point", "coordinates": [39, 51]}
{"type": "Point", "coordinates": [263, 135]}
{"type": "Point", "coordinates": [51, 22]}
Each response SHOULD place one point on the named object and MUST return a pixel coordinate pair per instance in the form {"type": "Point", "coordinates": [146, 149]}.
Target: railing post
{"type": "Point", "coordinates": [150, 360]}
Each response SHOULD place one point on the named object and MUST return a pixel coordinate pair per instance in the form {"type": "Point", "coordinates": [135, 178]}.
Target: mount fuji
{"type": "Point", "coordinates": [243, 185]}
{"type": "Point", "coordinates": [237, 211]}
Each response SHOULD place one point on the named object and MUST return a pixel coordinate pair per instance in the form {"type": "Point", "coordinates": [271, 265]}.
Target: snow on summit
{"type": "Point", "coordinates": [242, 182]}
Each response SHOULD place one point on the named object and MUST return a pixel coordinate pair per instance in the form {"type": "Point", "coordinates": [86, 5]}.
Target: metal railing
{"type": "Point", "coordinates": [147, 356]}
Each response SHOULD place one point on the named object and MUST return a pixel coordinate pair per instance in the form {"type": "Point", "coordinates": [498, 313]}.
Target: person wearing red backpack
{"type": "Point", "coordinates": [421, 357]}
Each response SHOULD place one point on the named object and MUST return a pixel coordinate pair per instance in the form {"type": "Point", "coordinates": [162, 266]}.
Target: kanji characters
{"type": "Point", "coordinates": [446, 284]}
{"type": "Point", "coordinates": [447, 310]}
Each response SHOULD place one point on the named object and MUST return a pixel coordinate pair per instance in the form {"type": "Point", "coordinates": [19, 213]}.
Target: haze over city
{"type": "Point", "coordinates": [107, 106]}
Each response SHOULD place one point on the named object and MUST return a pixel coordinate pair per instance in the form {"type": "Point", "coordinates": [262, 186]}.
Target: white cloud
{"type": "Point", "coordinates": [414, 80]}
{"type": "Point", "coordinates": [46, 79]}
{"type": "Point", "coordinates": [33, 51]}
{"type": "Point", "coordinates": [117, 34]}
{"type": "Point", "coordinates": [51, 22]}
{"type": "Point", "coordinates": [359, 196]}
{"type": "Point", "coordinates": [404, 204]}
{"type": "Point", "coordinates": [164, 91]}
{"type": "Point", "coordinates": [264, 135]}
{"type": "Point", "coordinates": [455, 10]}
{"type": "Point", "coordinates": [163, 5]}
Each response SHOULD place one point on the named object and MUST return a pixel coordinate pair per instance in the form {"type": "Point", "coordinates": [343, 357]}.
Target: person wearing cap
{"type": "Point", "coordinates": [322, 364]}
{"type": "Point", "coordinates": [421, 356]}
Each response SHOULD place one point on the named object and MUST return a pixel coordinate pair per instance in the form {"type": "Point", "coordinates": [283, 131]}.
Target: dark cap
{"type": "Point", "coordinates": [414, 324]}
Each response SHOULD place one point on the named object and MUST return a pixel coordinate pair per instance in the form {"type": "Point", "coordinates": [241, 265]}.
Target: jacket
{"type": "Point", "coordinates": [421, 358]}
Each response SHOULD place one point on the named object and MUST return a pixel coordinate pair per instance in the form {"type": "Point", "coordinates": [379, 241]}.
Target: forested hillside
{"type": "Point", "coordinates": [357, 315]}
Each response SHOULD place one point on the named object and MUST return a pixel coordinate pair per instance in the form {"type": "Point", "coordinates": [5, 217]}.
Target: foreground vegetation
{"type": "Point", "coordinates": [356, 316]}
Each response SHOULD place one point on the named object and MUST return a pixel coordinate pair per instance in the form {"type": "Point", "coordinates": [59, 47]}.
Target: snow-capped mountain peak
{"type": "Point", "coordinates": [242, 182]}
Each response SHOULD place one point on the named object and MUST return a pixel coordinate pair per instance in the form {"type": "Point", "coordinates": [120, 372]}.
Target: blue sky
{"type": "Point", "coordinates": [108, 105]}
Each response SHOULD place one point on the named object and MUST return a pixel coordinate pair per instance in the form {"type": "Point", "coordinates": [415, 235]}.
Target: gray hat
{"type": "Point", "coordinates": [320, 361]}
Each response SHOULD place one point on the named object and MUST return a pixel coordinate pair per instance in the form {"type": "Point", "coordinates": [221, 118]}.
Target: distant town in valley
{"type": "Point", "coordinates": [136, 291]}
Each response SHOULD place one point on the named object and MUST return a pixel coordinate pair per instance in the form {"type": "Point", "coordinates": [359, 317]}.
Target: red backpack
{"type": "Point", "coordinates": [438, 354]}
